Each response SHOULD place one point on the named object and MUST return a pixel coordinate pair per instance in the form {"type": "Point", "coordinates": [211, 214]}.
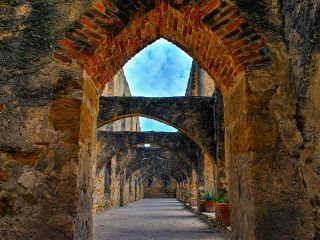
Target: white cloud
{"type": "Point", "coordinates": [160, 70]}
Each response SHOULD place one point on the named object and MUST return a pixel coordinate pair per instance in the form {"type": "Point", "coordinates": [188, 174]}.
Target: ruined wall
{"type": "Point", "coordinates": [286, 159]}
{"type": "Point", "coordinates": [120, 87]}
{"type": "Point", "coordinates": [47, 125]}
{"type": "Point", "coordinates": [210, 171]}
{"type": "Point", "coordinates": [302, 29]}
{"type": "Point", "coordinates": [134, 188]}
{"type": "Point", "coordinates": [160, 187]}
{"type": "Point", "coordinates": [119, 188]}
{"type": "Point", "coordinates": [272, 118]}
{"type": "Point", "coordinates": [201, 84]}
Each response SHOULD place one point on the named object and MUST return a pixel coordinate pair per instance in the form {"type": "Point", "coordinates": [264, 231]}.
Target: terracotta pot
{"type": "Point", "coordinates": [224, 212]}
{"type": "Point", "coordinates": [210, 206]}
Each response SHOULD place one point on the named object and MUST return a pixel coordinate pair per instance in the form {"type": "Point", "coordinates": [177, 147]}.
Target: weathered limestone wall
{"type": "Point", "coordinates": [210, 179]}
{"type": "Point", "coordinates": [262, 140]}
{"type": "Point", "coordinates": [120, 87]}
{"type": "Point", "coordinates": [272, 118]}
{"type": "Point", "coordinates": [183, 192]}
{"type": "Point", "coordinates": [47, 126]}
{"type": "Point", "coordinates": [194, 189]}
{"type": "Point", "coordinates": [133, 188]}
{"type": "Point", "coordinates": [284, 133]}
{"type": "Point", "coordinates": [302, 29]}
{"type": "Point", "coordinates": [119, 189]}
{"type": "Point", "coordinates": [201, 84]}
{"type": "Point", "coordinates": [104, 201]}
{"type": "Point", "coordinates": [160, 187]}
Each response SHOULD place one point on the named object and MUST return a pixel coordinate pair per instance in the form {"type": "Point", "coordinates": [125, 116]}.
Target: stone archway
{"type": "Point", "coordinates": [218, 44]}
{"type": "Point", "coordinates": [112, 143]}
{"type": "Point", "coordinates": [49, 109]}
{"type": "Point", "coordinates": [192, 115]}
{"type": "Point", "coordinates": [137, 154]}
{"type": "Point", "coordinates": [169, 165]}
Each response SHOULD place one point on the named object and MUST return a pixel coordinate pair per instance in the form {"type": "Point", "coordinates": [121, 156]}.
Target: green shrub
{"type": "Point", "coordinates": [223, 199]}
{"type": "Point", "coordinates": [210, 195]}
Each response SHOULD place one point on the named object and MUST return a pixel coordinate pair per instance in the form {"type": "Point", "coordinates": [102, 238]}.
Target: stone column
{"type": "Point", "coordinates": [47, 153]}
{"type": "Point", "coordinates": [262, 142]}
{"type": "Point", "coordinates": [201, 183]}
{"type": "Point", "coordinates": [122, 186]}
{"type": "Point", "coordinates": [194, 188]}
{"type": "Point", "coordinates": [221, 179]}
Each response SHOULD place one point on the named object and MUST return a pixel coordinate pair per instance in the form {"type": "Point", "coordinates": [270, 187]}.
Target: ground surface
{"type": "Point", "coordinates": [152, 219]}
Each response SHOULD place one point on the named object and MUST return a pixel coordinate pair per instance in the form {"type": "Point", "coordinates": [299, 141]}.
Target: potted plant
{"type": "Point", "coordinates": [210, 203]}
{"type": "Point", "coordinates": [224, 210]}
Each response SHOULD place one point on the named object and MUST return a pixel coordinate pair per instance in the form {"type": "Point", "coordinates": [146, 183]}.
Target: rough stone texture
{"type": "Point", "coordinates": [263, 56]}
{"type": "Point", "coordinates": [262, 139]}
{"type": "Point", "coordinates": [43, 140]}
{"type": "Point", "coordinates": [201, 84]}
{"type": "Point", "coordinates": [163, 186]}
{"type": "Point", "coordinates": [210, 178]}
{"type": "Point", "coordinates": [119, 87]}
{"type": "Point", "coordinates": [134, 158]}
{"type": "Point", "coordinates": [213, 32]}
{"type": "Point", "coordinates": [152, 219]}
{"type": "Point", "coordinates": [119, 193]}
{"type": "Point", "coordinates": [112, 143]}
{"type": "Point", "coordinates": [219, 136]}
{"type": "Point", "coordinates": [191, 115]}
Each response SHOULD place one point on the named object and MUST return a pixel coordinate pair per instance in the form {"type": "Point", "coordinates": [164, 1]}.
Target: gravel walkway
{"type": "Point", "coordinates": [152, 219]}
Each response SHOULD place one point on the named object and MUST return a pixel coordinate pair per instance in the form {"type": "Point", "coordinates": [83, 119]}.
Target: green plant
{"type": "Point", "coordinates": [223, 199]}
{"type": "Point", "coordinates": [210, 195]}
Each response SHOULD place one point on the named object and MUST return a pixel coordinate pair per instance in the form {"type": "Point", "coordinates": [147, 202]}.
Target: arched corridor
{"type": "Point", "coordinates": [249, 118]}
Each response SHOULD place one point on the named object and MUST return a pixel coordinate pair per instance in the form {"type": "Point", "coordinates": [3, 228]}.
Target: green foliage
{"type": "Point", "coordinates": [223, 199]}
{"type": "Point", "coordinates": [210, 195]}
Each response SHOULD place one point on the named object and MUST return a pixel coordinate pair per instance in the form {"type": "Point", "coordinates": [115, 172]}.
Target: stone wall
{"type": "Point", "coordinates": [55, 60]}
{"type": "Point", "coordinates": [160, 187]}
{"type": "Point", "coordinates": [210, 171]}
{"type": "Point", "coordinates": [201, 84]}
{"type": "Point", "coordinates": [119, 193]}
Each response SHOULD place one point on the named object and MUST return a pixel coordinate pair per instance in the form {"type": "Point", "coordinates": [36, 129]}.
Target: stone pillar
{"type": "Point", "coordinates": [261, 142]}
{"type": "Point", "coordinates": [201, 183]}
{"type": "Point", "coordinates": [221, 179]}
{"type": "Point", "coordinates": [122, 186]}
{"type": "Point", "coordinates": [47, 153]}
{"type": "Point", "coordinates": [180, 192]}
{"type": "Point", "coordinates": [183, 192]}
{"type": "Point", "coordinates": [194, 188]}
{"type": "Point", "coordinates": [142, 189]}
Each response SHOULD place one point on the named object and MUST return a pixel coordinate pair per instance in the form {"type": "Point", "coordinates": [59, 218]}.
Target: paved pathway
{"type": "Point", "coordinates": [152, 219]}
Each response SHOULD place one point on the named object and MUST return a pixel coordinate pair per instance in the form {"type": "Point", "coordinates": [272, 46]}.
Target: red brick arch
{"type": "Point", "coordinates": [212, 32]}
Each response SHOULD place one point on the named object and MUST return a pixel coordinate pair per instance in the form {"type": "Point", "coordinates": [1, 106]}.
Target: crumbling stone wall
{"type": "Point", "coordinates": [56, 59]}
{"type": "Point", "coordinates": [119, 188]}
{"type": "Point", "coordinates": [120, 87]}
{"type": "Point", "coordinates": [210, 171]}
{"type": "Point", "coordinates": [160, 186]}
{"type": "Point", "coordinates": [201, 84]}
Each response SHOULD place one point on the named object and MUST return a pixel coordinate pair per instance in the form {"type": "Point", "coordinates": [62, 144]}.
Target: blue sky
{"type": "Point", "coordinates": [159, 70]}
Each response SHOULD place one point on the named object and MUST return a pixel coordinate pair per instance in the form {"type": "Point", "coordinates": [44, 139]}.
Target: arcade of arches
{"type": "Point", "coordinates": [250, 120]}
